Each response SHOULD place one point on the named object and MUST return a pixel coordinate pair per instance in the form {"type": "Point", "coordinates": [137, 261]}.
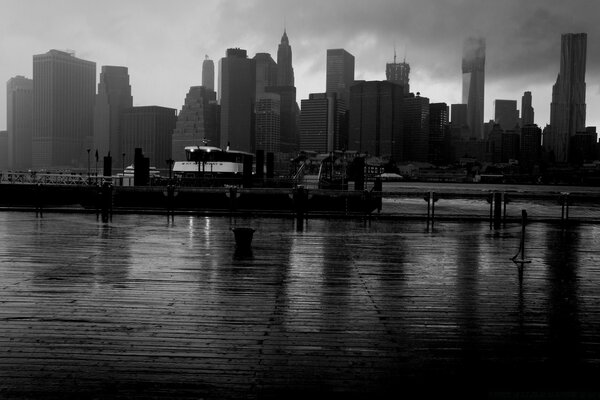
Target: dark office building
{"type": "Point", "coordinates": [268, 123]}
{"type": "Point", "coordinates": [64, 90]}
{"type": "Point", "coordinates": [285, 70]}
{"type": "Point", "coordinates": [583, 146]}
{"type": "Point", "coordinates": [3, 150]}
{"type": "Point", "coordinates": [320, 119]}
{"type": "Point", "coordinates": [289, 114]}
{"type": "Point", "coordinates": [415, 124]}
{"type": "Point", "coordinates": [531, 145]}
{"type": "Point", "coordinates": [459, 122]}
{"type": "Point", "coordinates": [398, 73]}
{"type": "Point", "coordinates": [114, 96]}
{"type": "Point", "coordinates": [19, 122]}
{"type": "Point", "coordinates": [238, 94]}
{"type": "Point", "coordinates": [197, 123]}
{"type": "Point", "coordinates": [340, 73]}
{"type": "Point", "coordinates": [266, 72]}
{"type": "Point", "coordinates": [439, 134]}
{"type": "Point", "coordinates": [510, 146]}
{"type": "Point", "coordinates": [527, 112]}
{"type": "Point", "coordinates": [149, 128]}
{"type": "Point", "coordinates": [376, 118]}
{"type": "Point", "coordinates": [506, 114]}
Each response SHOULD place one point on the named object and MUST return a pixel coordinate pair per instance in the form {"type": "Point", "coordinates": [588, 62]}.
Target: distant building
{"type": "Point", "coordinates": [376, 118]}
{"type": "Point", "coordinates": [473, 68]}
{"type": "Point", "coordinates": [415, 123]}
{"type": "Point", "coordinates": [439, 133]}
{"type": "Point", "coordinates": [459, 122]}
{"type": "Point", "coordinates": [114, 96]}
{"type": "Point", "coordinates": [527, 112]}
{"type": "Point", "coordinates": [340, 73]}
{"type": "Point", "coordinates": [506, 114]}
{"type": "Point", "coordinates": [64, 90]}
{"type": "Point", "coordinates": [268, 123]}
{"type": "Point", "coordinates": [197, 123]}
{"type": "Point", "coordinates": [531, 145]}
{"type": "Point", "coordinates": [149, 128]}
{"type": "Point", "coordinates": [582, 146]}
{"type": "Point", "coordinates": [238, 94]}
{"type": "Point", "coordinates": [320, 118]}
{"type": "Point", "coordinates": [19, 122]}
{"type": "Point", "coordinates": [285, 70]}
{"type": "Point", "coordinates": [567, 111]}
{"type": "Point", "coordinates": [511, 143]}
{"type": "Point", "coordinates": [398, 73]}
{"type": "Point", "coordinates": [266, 72]}
{"type": "Point", "coordinates": [289, 115]}
{"type": "Point", "coordinates": [208, 73]}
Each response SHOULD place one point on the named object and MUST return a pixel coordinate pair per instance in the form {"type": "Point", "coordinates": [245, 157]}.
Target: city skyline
{"type": "Point", "coordinates": [522, 43]}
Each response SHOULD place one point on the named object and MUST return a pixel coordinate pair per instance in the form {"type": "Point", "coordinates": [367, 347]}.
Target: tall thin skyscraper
{"type": "Point", "coordinates": [208, 73]}
{"type": "Point", "coordinates": [114, 96]}
{"type": "Point", "coordinates": [285, 73]}
{"type": "Point", "coordinates": [238, 93]}
{"type": "Point", "coordinates": [567, 111]}
{"type": "Point", "coordinates": [527, 113]}
{"type": "Point", "coordinates": [19, 113]}
{"type": "Point", "coordinates": [64, 89]}
{"type": "Point", "coordinates": [473, 68]}
{"type": "Point", "coordinates": [340, 73]}
{"type": "Point", "coordinates": [398, 73]}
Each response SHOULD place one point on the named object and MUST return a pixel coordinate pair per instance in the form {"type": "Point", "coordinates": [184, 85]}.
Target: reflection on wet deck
{"type": "Point", "coordinates": [149, 307]}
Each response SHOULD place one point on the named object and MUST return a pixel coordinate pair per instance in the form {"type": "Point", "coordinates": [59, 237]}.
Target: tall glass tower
{"type": "Point", "coordinates": [473, 68]}
{"type": "Point", "coordinates": [567, 111]}
{"type": "Point", "coordinates": [398, 73]}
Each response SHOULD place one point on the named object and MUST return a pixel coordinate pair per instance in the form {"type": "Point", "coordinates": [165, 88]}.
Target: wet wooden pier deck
{"type": "Point", "coordinates": [152, 307]}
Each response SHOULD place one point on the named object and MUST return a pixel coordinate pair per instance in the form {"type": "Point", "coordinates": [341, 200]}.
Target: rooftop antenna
{"type": "Point", "coordinates": [394, 52]}
{"type": "Point", "coordinates": [404, 61]}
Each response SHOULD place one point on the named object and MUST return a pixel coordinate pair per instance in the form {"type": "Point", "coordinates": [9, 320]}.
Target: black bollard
{"type": "Point", "coordinates": [300, 199]}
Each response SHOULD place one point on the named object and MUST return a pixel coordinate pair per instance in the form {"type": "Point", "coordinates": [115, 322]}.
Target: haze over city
{"type": "Point", "coordinates": [163, 45]}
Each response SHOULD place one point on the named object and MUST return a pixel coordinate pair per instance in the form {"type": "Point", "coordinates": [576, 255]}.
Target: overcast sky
{"type": "Point", "coordinates": [163, 43]}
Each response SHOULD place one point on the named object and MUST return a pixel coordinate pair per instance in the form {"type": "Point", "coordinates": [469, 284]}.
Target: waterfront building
{"type": "Point", "coordinates": [506, 114]}
{"type": "Point", "coordinates": [459, 122]}
{"type": "Point", "coordinates": [567, 111]}
{"type": "Point", "coordinates": [266, 73]}
{"type": "Point", "coordinates": [398, 73]}
{"type": "Point", "coordinates": [494, 140]}
{"type": "Point", "coordinates": [527, 112]}
{"type": "Point", "coordinates": [510, 145]}
{"type": "Point", "coordinates": [149, 128]}
{"type": "Point", "coordinates": [320, 118]}
{"type": "Point", "coordinates": [64, 90]}
{"type": "Point", "coordinates": [237, 93]}
{"type": "Point", "coordinates": [415, 124]}
{"type": "Point", "coordinates": [473, 68]}
{"type": "Point", "coordinates": [19, 122]}
{"type": "Point", "coordinates": [285, 70]}
{"type": "Point", "coordinates": [375, 125]}
{"type": "Point", "coordinates": [197, 123]}
{"type": "Point", "coordinates": [208, 73]}
{"type": "Point", "coordinates": [114, 96]}
{"type": "Point", "coordinates": [268, 123]}
{"type": "Point", "coordinates": [439, 133]}
{"type": "Point", "coordinates": [340, 74]}
{"type": "Point", "coordinates": [531, 145]}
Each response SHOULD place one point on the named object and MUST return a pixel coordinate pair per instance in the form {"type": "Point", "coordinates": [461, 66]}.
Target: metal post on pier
{"type": "Point", "coordinates": [497, 209]}
{"type": "Point", "coordinates": [300, 200]}
{"type": "Point", "coordinates": [522, 260]}
{"type": "Point", "coordinates": [504, 203]}
{"type": "Point", "coordinates": [564, 198]}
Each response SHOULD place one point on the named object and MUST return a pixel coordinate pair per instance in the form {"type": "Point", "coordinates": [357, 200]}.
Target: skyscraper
{"type": "Point", "coordinates": [114, 96]}
{"type": "Point", "coordinates": [208, 73]}
{"type": "Point", "coordinates": [506, 114]}
{"type": "Point", "coordinates": [196, 122]}
{"type": "Point", "coordinates": [268, 122]}
{"type": "Point", "coordinates": [439, 133]}
{"type": "Point", "coordinates": [266, 72]}
{"type": "Point", "coordinates": [415, 124]}
{"type": "Point", "coordinates": [459, 121]}
{"type": "Point", "coordinates": [527, 113]}
{"type": "Point", "coordinates": [376, 118]}
{"type": "Point", "coordinates": [64, 89]}
{"type": "Point", "coordinates": [19, 107]}
{"type": "Point", "coordinates": [238, 92]}
{"type": "Point", "coordinates": [473, 68]}
{"type": "Point", "coordinates": [567, 111]}
{"type": "Point", "coordinates": [285, 73]}
{"type": "Point", "coordinates": [398, 73]}
{"type": "Point", "coordinates": [340, 73]}
{"type": "Point", "coordinates": [320, 120]}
